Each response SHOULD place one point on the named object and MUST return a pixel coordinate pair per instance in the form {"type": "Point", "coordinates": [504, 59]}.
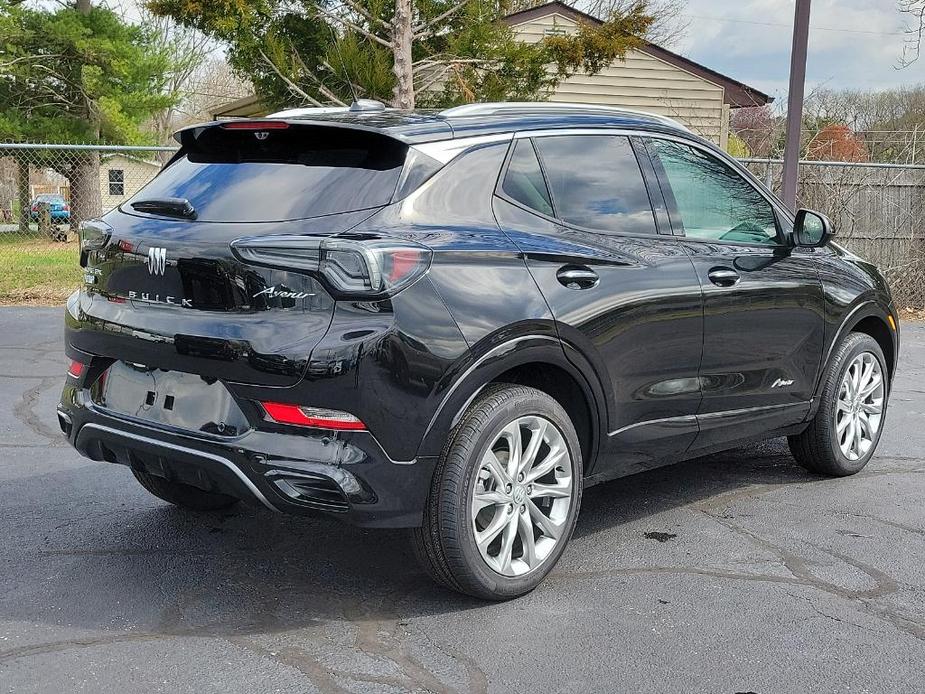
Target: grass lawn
{"type": "Point", "coordinates": [34, 271]}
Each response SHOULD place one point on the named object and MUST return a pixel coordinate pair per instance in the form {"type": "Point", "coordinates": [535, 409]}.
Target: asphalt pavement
{"type": "Point", "coordinates": [734, 573]}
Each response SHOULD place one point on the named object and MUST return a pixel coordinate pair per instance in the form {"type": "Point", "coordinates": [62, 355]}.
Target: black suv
{"type": "Point", "coordinates": [454, 321]}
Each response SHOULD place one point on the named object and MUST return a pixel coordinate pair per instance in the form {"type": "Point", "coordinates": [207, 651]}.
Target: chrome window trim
{"type": "Point", "coordinates": [711, 415]}
{"type": "Point", "coordinates": [654, 134]}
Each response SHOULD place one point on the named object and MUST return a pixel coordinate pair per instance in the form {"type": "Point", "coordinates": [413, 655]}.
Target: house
{"type": "Point", "coordinates": [123, 175]}
{"type": "Point", "coordinates": [650, 78]}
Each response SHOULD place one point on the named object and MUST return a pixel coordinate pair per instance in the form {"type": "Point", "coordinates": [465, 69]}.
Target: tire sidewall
{"type": "Point", "coordinates": [857, 344]}
{"type": "Point", "coordinates": [540, 405]}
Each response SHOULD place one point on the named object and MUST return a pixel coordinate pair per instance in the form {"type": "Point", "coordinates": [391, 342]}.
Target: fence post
{"type": "Point", "coordinates": [25, 210]}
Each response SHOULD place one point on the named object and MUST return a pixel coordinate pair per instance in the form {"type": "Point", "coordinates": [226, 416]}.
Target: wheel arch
{"type": "Point", "coordinates": [537, 361]}
{"type": "Point", "coordinates": [879, 330]}
{"type": "Point", "coordinates": [868, 317]}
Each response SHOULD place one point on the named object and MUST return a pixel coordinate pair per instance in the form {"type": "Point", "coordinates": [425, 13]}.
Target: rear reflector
{"type": "Point", "coordinates": [255, 125]}
{"type": "Point", "coordinates": [76, 369]}
{"type": "Point", "coordinates": [318, 417]}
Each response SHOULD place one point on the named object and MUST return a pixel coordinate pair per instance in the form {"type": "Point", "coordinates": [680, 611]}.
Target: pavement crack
{"type": "Point", "coordinates": [23, 411]}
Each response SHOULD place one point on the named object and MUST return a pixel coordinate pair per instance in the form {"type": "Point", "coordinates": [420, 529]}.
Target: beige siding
{"type": "Point", "coordinates": [641, 81]}
{"type": "Point", "coordinates": [135, 174]}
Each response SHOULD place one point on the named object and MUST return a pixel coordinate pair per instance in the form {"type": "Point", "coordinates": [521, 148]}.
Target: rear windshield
{"type": "Point", "coordinates": [301, 172]}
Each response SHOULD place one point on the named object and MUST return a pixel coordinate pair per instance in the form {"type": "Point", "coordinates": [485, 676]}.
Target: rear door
{"type": "Point", "coordinates": [763, 301]}
{"type": "Point", "coordinates": [625, 296]}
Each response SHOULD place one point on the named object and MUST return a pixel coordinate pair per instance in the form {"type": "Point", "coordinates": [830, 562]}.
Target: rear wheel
{"type": "Point", "coordinates": [843, 435]}
{"type": "Point", "coordinates": [183, 495]}
{"type": "Point", "coordinates": [505, 497]}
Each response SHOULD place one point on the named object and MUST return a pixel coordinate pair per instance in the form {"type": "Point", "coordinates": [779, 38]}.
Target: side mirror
{"type": "Point", "coordinates": [811, 229]}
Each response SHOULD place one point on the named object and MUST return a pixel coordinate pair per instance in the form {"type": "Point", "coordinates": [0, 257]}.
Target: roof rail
{"type": "Point", "coordinates": [549, 107]}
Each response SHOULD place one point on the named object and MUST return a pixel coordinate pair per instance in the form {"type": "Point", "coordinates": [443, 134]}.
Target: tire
{"type": "Point", "coordinates": [183, 495]}
{"type": "Point", "coordinates": [446, 544]}
{"type": "Point", "coordinates": [819, 448]}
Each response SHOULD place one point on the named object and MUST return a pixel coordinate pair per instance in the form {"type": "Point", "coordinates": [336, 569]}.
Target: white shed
{"type": "Point", "coordinates": [123, 175]}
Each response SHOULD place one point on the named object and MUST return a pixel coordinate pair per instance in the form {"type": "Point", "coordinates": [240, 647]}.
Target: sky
{"type": "Point", "coordinates": [852, 43]}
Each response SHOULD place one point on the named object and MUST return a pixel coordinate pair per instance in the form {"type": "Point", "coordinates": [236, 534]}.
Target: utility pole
{"type": "Point", "coordinates": [795, 103]}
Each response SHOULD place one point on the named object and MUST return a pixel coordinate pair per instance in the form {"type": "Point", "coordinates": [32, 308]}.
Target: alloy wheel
{"type": "Point", "coordinates": [859, 410]}
{"type": "Point", "coordinates": [522, 496]}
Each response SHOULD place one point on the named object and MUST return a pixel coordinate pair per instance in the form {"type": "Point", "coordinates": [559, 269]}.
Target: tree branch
{"type": "Point", "coordinates": [293, 87]}
{"type": "Point", "coordinates": [360, 10]}
{"type": "Point", "coordinates": [321, 85]}
{"type": "Point", "coordinates": [347, 23]}
{"type": "Point", "coordinates": [423, 30]}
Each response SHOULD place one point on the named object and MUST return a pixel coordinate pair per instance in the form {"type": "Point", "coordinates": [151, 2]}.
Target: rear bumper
{"type": "Point", "coordinates": [343, 474]}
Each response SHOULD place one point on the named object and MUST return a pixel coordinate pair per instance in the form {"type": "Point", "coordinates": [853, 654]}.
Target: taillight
{"type": "Point", "coordinates": [255, 125]}
{"type": "Point", "coordinates": [76, 369]}
{"type": "Point", "coordinates": [318, 417]}
{"type": "Point", "coordinates": [361, 267]}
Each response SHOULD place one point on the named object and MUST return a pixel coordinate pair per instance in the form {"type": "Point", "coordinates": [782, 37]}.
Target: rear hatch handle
{"type": "Point", "coordinates": [169, 207]}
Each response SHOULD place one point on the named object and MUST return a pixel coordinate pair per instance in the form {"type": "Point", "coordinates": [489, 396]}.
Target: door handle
{"type": "Point", "coordinates": [577, 277]}
{"type": "Point", "coordinates": [723, 277]}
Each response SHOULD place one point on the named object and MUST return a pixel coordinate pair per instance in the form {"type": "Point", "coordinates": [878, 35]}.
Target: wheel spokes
{"type": "Point", "coordinates": [521, 496]}
{"type": "Point", "coordinates": [551, 491]}
{"type": "Point", "coordinates": [527, 539]}
{"type": "Point", "coordinates": [498, 523]}
{"type": "Point", "coordinates": [537, 436]}
{"type": "Point", "coordinates": [549, 527]}
{"type": "Point", "coordinates": [547, 465]}
{"type": "Point", "coordinates": [512, 433]}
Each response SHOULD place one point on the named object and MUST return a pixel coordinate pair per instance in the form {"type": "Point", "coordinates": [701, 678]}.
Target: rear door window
{"type": "Point", "coordinates": [301, 172]}
{"type": "Point", "coordinates": [596, 183]}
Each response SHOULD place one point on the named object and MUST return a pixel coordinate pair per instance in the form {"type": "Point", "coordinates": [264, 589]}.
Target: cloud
{"type": "Point", "coordinates": [853, 43]}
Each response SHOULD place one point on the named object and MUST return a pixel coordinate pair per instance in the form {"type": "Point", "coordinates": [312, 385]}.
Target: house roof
{"type": "Point", "coordinates": [132, 157]}
{"type": "Point", "coordinates": [736, 94]}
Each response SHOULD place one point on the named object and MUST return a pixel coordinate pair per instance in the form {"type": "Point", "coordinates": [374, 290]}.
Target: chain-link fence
{"type": "Point", "coordinates": [46, 190]}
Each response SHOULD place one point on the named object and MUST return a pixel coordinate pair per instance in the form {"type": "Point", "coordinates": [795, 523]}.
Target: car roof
{"type": "Point", "coordinates": [470, 120]}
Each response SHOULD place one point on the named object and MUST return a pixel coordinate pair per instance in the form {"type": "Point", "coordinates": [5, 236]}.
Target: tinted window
{"type": "Point", "coordinates": [302, 172]}
{"type": "Point", "coordinates": [524, 181]}
{"type": "Point", "coordinates": [714, 202]}
{"type": "Point", "coordinates": [596, 182]}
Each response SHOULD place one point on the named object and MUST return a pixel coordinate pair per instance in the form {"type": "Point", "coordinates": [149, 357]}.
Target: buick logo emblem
{"type": "Point", "coordinates": [262, 135]}
{"type": "Point", "coordinates": [157, 261]}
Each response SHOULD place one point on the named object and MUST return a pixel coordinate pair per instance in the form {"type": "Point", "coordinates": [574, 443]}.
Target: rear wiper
{"type": "Point", "coordinates": [170, 207]}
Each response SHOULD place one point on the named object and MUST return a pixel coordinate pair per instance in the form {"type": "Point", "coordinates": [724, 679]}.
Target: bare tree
{"type": "Point", "coordinates": [915, 30]}
{"type": "Point", "coordinates": [670, 25]}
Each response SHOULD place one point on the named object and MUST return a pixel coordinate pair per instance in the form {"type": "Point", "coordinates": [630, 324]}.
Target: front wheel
{"type": "Point", "coordinates": [505, 496]}
{"type": "Point", "coordinates": [843, 435]}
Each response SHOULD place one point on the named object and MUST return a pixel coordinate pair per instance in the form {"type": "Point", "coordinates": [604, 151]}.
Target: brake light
{"type": "Point", "coordinates": [319, 417]}
{"type": "Point", "coordinates": [76, 369]}
{"type": "Point", "coordinates": [255, 125]}
{"type": "Point", "coordinates": [353, 267]}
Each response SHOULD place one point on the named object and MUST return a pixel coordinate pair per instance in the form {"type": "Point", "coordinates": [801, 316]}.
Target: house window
{"type": "Point", "coordinates": [116, 182]}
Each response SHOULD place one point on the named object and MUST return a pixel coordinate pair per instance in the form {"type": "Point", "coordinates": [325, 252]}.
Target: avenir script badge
{"type": "Point", "coordinates": [274, 293]}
